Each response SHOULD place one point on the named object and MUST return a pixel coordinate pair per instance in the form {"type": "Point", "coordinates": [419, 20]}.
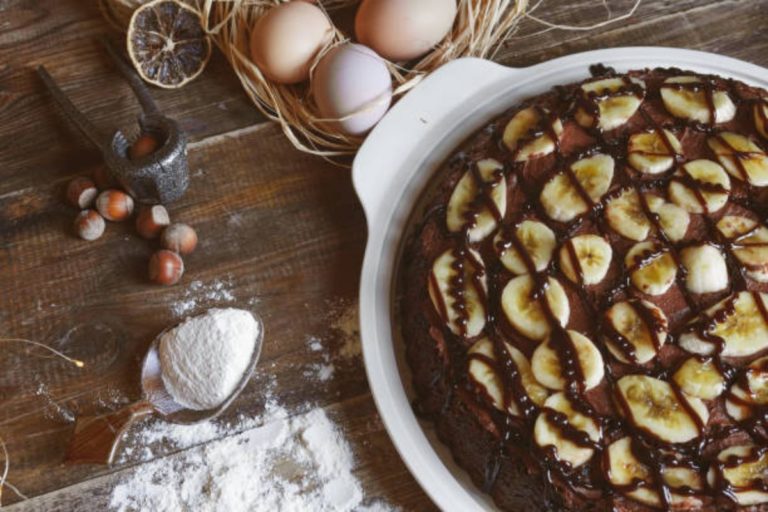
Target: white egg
{"type": "Point", "coordinates": [285, 41]}
{"type": "Point", "coordinates": [352, 86]}
{"type": "Point", "coordinates": [402, 30]}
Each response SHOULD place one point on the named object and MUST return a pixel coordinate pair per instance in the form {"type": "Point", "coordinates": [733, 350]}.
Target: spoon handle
{"type": "Point", "coordinates": [96, 437]}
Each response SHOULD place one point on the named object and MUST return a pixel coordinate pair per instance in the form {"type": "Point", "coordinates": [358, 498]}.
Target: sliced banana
{"type": "Point", "coordinates": [689, 100]}
{"type": "Point", "coordinates": [706, 271]}
{"type": "Point", "coordinates": [654, 152]}
{"type": "Point", "coordinates": [674, 220]}
{"type": "Point", "coordinates": [527, 314]}
{"type": "Point", "coordinates": [741, 157]}
{"type": "Point", "coordinates": [548, 370]}
{"type": "Point", "coordinates": [653, 406]}
{"type": "Point", "coordinates": [592, 256]}
{"type": "Point", "coordinates": [700, 377]}
{"type": "Point", "coordinates": [463, 302]}
{"type": "Point", "coordinates": [740, 401]}
{"type": "Point", "coordinates": [624, 470]}
{"type": "Point", "coordinates": [749, 244]}
{"type": "Point", "coordinates": [642, 324]}
{"type": "Point", "coordinates": [652, 268]}
{"type": "Point", "coordinates": [613, 100]}
{"type": "Point", "coordinates": [528, 136]}
{"type": "Point", "coordinates": [537, 239]}
{"type": "Point", "coordinates": [560, 196]}
{"type": "Point", "coordinates": [737, 321]}
{"type": "Point", "coordinates": [700, 186]}
{"type": "Point", "coordinates": [740, 476]}
{"type": "Point", "coordinates": [468, 209]}
{"type": "Point", "coordinates": [626, 216]}
{"type": "Point", "coordinates": [486, 375]}
{"type": "Point", "coordinates": [760, 113]}
{"type": "Point", "coordinates": [547, 433]}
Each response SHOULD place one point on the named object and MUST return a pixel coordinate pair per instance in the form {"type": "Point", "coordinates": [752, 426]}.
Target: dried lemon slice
{"type": "Point", "coordinates": [167, 43]}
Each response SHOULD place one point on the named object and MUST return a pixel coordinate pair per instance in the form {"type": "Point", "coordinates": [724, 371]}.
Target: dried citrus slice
{"type": "Point", "coordinates": [167, 43]}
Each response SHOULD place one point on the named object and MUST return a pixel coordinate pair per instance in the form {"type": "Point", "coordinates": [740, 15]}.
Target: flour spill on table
{"type": "Point", "coordinates": [340, 346]}
{"type": "Point", "coordinates": [198, 294]}
{"type": "Point", "coordinates": [278, 460]}
{"type": "Point", "coordinates": [278, 463]}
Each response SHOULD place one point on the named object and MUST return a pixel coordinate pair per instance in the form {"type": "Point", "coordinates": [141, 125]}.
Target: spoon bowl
{"type": "Point", "coordinates": [166, 406]}
{"type": "Point", "coordinates": [97, 438]}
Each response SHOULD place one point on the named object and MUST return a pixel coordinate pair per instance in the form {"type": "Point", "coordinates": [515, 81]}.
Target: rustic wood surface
{"type": "Point", "coordinates": [283, 229]}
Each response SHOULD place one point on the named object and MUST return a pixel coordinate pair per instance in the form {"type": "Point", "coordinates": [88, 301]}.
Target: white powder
{"type": "Point", "coordinates": [204, 358]}
{"type": "Point", "coordinates": [215, 292]}
{"type": "Point", "coordinates": [288, 464]}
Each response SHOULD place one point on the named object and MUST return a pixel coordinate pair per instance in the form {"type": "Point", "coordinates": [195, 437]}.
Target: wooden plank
{"type": "Point", "coordinates": [295, 245]}
{"type": "Point", "coordinates": [63, 35]}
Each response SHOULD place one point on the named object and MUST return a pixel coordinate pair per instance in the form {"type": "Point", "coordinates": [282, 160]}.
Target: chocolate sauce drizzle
{"type": "Point", "coordinates": [469, 271]}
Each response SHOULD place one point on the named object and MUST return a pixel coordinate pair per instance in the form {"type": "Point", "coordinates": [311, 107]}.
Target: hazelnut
{"type": "Point", "coordinates": [146, 144]}
{"type": "Point", "coordinates": [81, 192]}
{"type": "Point", "coordinates": [114, 205]}
{"type": "Point", "coordinates": [179, 238]}
{"type": "Point", "coordinates": [151, 220]}
{"type": "Point", "coordinates": [165, 267]}
{"type": "Point", "coordinates": [89, 225]}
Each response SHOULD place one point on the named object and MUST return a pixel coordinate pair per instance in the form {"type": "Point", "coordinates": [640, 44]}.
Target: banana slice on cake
{"type": "Point", "coordinates": [479, 200]}
{"type": "Point", "coordinates": [529, 315]}
{"type": "Point", "coordinates": [561, 197]}
{"type": "Point", "coordinates": [741, 157]}
{"type": "Point", "coordinates": [760, 113]}
{"type": "Point", "coordinates": [687, 97]}
{"type": "Point", "coordinates": [585, 259]}
{"type": "Point", "coordinates": [652, 406]}
{"type": "Point", "coordinates": [609, 103]}
{"type": "Point", "coordinates": [549, 371]}
{"type": "Point", "coordinates": [741, 400]}
{"type": "Point", "coordinates": [700, 377]}
{"type": "Point", "coordinates": [635, 330]}
{"type": "Point", "coordinates": [558, 415]}
{"type": "Point", "coordinates": [749, 244]}
{"type": "Point", "coordinates": [529, 134]}
{"type": "Point", "coordinates": [740, 467]}
{"type": "Point", "coordinates": [536, 238]}
{"type": "Point", "coordinates": [737, 322]}
{"type": "Point", "coordinates": [652, 268]}
{"type": "Point", "coordinates": [654, 152]}
{"type": "Point", "coordinates": [626, 216]}
{"type": "Point", "coordinates": [459, 296]}
{"type": "Point", "coordinates": [625, 471]}
{"type": "Point", "coordinates": [706, 271]}
{"type": "Point", "coordinates": [700, 186]}
{"type": "Point", "coordinates": [487, 377]}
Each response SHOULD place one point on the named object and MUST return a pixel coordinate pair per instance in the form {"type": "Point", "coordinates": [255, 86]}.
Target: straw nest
{"type": "Point", "coordinates": [479, 28]}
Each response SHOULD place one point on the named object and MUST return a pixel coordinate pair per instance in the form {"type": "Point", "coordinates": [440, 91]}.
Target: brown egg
{"type": "Point", "coordinates": [285, 41]}
{"type": "Point", "coordinates": [402, 30]}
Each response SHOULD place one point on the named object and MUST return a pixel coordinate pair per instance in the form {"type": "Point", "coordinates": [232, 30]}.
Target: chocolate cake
{"type": "Point", "coordinates": [583, 297]}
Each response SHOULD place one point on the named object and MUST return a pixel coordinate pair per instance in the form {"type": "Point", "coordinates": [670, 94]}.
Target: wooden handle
{"type": "Point", "coordinates": [96, 437]}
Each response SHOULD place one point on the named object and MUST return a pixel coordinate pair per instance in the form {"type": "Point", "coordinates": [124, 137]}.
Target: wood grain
{"type": "Point", "coordinates": [282, 228]}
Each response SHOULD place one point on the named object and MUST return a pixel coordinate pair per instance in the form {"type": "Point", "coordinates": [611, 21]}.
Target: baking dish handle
{"type": "Point", "coordinates": [378, 162]}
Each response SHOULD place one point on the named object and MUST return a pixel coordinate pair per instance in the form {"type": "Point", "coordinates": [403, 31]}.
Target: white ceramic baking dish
{"type": "Point", "coordinates": [390, 172]}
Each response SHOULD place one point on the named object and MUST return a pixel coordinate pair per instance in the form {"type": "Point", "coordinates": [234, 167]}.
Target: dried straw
{"type": "Point", "coordinates": [479, 28]}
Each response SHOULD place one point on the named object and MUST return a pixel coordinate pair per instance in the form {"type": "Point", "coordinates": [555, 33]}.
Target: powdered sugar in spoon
{"type": "Point", "coordinates": [96, 438]}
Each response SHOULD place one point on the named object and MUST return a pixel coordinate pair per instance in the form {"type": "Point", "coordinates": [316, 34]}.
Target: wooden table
{"type": "Point", "coordinates": [283, 230]}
